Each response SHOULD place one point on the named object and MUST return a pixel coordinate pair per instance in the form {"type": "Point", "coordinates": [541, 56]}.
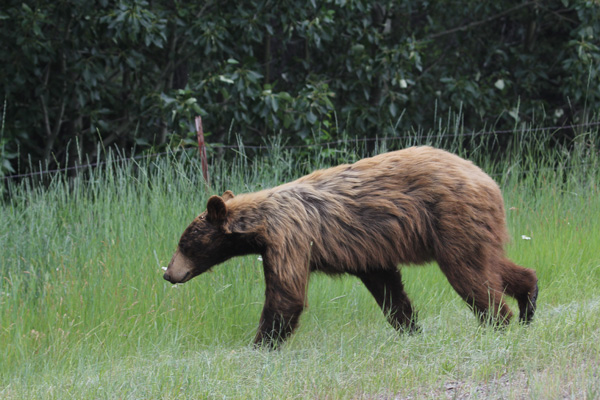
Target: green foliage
{"type": "Point", "coordinates": [134, 73]}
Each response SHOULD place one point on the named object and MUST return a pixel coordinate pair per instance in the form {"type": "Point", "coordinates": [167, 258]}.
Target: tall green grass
{"type": "Point", "coordinates": [85, 313]}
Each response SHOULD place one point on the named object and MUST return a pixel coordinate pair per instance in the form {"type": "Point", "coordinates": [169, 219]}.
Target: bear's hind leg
{"type": "Point", "coordinates": [520, 283]}
{"type": "Point", "coordinates": [387, 289]}
{"type": "Point", "coordinates": [481, 289]}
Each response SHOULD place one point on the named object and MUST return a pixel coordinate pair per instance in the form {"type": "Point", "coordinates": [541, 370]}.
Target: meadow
{"type": "Point", "coordinates": [85, 313]}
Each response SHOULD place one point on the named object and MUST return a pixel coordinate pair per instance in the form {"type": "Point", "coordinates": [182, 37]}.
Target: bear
{"type": "Point", "coordinates": [411, 206]}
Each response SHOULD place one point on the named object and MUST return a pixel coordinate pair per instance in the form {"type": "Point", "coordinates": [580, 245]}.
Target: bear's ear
{"type": "Point", "coordinates": [228, 195]}
{"type": "Point", "coordinates": [216, 210]}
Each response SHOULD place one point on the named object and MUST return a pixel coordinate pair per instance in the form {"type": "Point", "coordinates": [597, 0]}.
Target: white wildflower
{"type": "Point", "coordinates": [559, 112]}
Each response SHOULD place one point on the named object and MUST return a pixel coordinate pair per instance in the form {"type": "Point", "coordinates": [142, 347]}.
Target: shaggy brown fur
{"type": "Point", "coordinates": [405, 207]}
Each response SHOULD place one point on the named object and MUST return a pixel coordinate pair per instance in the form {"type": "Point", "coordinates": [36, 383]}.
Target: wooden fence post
{"type": "Point", "coordinates": [202, 149]}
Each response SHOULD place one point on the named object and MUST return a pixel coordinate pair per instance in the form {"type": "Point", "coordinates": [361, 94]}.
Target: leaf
{"type": "Point", "coordinates": [254, 76]}
{"type": "Point", "coordinates": [141, 142]}
{"type": "Point", "coordinates": [131, 61]}
{"type": "Point", "coordinates": [166, 99]}
{"type": "Point", "coordinates": [197, 109]}
{"type": "Point", "coordinates": [358, 48]}
{"type": "Point", "coordinates": [6, 165]}
{"type": "Point", "coordinates": [269, 29]}
{"type": "Point", "coordinates": [285, 96]}
{"type": "Point", "coordinates": [274, 103]}
{"type": "Point", "coordinates": [37, 31]}
{"type": "Point", "coordinates": [223, 78]}
{"type": "Point", "coordinates": [514, 114]}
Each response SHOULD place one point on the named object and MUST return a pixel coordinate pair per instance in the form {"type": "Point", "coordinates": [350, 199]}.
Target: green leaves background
{"type": "Point", "coordinates": [134, 73]}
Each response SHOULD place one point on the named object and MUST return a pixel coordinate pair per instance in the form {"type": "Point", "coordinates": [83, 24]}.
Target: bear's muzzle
{"type": "Point", "coordinates": [180, 269]}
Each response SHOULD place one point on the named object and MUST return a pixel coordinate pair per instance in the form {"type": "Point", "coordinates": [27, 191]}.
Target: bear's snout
{"type": "Point", "coordinates": [171, 279]}
{"type": "Point", "coordinates": [180, 269]}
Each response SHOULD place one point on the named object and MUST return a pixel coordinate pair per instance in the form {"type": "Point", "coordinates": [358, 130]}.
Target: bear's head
{"type": "Point", "coordinates": [203, 244]}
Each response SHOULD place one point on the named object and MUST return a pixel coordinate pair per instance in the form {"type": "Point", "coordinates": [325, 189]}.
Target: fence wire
{"type": "Point", "coordinates": [306, 146]}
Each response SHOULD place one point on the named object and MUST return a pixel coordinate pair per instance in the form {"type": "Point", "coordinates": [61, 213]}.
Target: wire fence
{"type": "Point", "coordinates": [413, 136]}
{"type": "Point", "coordinates": [85, 166]}
{"type": "Point", "coordinates": [307, 146]}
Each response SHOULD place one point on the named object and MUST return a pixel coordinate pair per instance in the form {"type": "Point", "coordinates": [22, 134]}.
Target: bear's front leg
{"type": "Point", "coordinates": [284, 302]}
{"type": "Point", "coordinates": [276, 325]}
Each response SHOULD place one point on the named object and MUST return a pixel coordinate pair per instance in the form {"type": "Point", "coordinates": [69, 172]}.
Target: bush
{"type": "Point", "coordinates": [133, 74]}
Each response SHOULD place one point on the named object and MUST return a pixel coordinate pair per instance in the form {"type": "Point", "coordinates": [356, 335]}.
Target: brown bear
{"type": "Point", "coordinates": [404, 207]}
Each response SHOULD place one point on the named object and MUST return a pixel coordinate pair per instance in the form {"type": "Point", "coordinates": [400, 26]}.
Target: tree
{"type": "Point", "coordinates": [133, 73]}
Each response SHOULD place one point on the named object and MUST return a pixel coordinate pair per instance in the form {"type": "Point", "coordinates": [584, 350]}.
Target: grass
{"type": "Point", "coordinates": [85, 314]}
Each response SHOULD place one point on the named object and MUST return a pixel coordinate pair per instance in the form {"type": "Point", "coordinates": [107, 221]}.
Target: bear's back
{"type": "Point", "coordinates": [423, 173]}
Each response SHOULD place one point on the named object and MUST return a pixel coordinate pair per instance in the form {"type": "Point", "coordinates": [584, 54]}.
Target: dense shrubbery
{"type": "Point", "coordinates": [134, 73]}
